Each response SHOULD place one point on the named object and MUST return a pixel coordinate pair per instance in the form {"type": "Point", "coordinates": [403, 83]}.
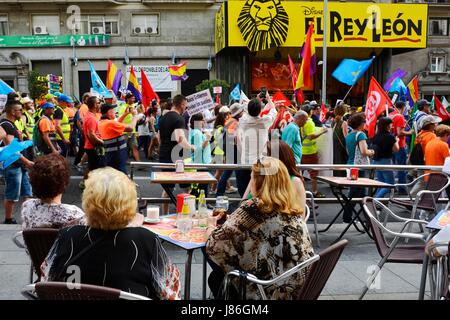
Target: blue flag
{"type": "Point", "coordinates": [11, 153]}
{"type": "Point", "coordinates": [97, 84]}
{"type": "Point", "coordinates": [349, 71]}
{"type": "Point", "coordinates": [398, 86]}
{"type": "Point", "coordinates": [236, 93]}
{"type": "Point", "coordinates": [4, 88]}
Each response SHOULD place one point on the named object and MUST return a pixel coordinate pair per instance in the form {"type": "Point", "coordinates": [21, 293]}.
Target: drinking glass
{"type": "Point", "coordinates": [222, 202]}
{"type": "Point", "coordinates": [184, 224]}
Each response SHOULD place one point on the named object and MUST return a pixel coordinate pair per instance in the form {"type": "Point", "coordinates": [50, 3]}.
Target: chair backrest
{"type": "Point", "coordinates": [436, 181]}
{"type": "Point", "coordinates": [39, 242]}
{"type": "Point", "coordinates": [320, 271]}
{"type": "Point", "coordinates": [73, 291]}
{"type": "Point", "coordinates": [371, 213]}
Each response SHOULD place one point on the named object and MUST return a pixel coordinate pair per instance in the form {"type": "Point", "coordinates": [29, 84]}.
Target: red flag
{"type": "Point", "coordinates": [440, 109]}
{"type": "Point", "coordinates": [376, 103]}
{"type": "Point", "coordinates": [308, 66]}
{"type": "Point", "coordinates": [147, 91]}
{"type": "Point", "coordinates": [294, 75]}
{"type": "Point", "coordinates": [280, 100]}
{"type": "Point", "coordinates": [323, 112]}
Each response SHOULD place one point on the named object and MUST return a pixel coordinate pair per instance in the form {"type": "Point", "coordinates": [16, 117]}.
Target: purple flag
{"type": "Point", "coordinates": [399, 73]}
{"type": "Point", "coordinates": [117, 81]}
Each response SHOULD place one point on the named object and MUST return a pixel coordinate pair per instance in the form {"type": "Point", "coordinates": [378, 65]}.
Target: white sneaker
{"type": "Point", "coordinates": [231, 189]}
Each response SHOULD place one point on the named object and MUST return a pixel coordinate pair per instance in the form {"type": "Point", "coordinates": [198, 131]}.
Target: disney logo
{"type": "Point", "coordinates": [311, 11]}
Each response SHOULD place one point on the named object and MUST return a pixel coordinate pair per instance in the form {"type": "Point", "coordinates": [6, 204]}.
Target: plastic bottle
{"type": "Point", "coordinates": [184, 221]}
{"type": "Point", "coordinates": [202, 210]}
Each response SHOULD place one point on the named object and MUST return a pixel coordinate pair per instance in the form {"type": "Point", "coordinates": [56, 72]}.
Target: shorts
{"type": "Point", "coordinates": [17, 183]}
{"type": "Point", "coordinates": [132, 141]}
{"type": "Point", "coordinates": [94, 160]}
{"type": "Point", "coordinates": [311, 159]}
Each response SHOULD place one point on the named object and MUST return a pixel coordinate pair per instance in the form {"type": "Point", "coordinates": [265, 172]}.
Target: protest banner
{"type": "Point", "coordinates": [198, 102]}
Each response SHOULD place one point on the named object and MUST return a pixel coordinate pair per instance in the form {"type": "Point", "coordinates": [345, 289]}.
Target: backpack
{"type": "Point", "coordinates": [38, 141]}
{"type": "Point", "coordinates": [417, 156]}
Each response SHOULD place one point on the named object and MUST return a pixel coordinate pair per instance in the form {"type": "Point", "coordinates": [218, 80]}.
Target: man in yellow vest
{"type": "Point", "coordinates": [28, 115]}
{"type": "Point", "coordinates": [309, 148]}
{"type": "Point", "coordinates": [132, 143]}
{"type": "Point", "coordinates": [62, 124]}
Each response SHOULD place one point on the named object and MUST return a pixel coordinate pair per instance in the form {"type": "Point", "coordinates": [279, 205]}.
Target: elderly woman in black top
{"type": "Point", "coordinates": [113, 250]}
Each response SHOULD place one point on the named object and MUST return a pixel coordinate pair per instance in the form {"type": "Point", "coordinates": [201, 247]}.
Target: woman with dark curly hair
{"type": "Point", "coordinates": [49, 178]}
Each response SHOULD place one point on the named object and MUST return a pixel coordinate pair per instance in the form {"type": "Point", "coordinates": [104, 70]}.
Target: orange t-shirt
{"type": "Point", "coordinates": [423, 138]}
{"type": "Point", "coordinates": [436, 152]}
{"type": "Point", "coordinates": [110, 129]}
{"type": "Point", "coordinates": [83, 110]}
{"type": "Point", "coordinates": [46, 125]}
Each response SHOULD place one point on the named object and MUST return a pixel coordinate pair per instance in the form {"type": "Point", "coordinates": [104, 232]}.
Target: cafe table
{"type": "Point", "coordinates": [337, 186]}
{"type": "Point", "coordinates": [166, 230]}
{"type": "Point", "coordinates": [165, 179]}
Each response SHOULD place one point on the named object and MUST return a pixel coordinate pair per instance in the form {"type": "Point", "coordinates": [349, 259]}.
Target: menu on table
{"type": "Point", "coordinates": [440, 221]}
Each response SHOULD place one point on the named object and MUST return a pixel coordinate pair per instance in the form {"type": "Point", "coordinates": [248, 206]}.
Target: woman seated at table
{"type": "Point", "coordinates": [443, 236]}
{"type": "Point", "coordinates": [49, 178]}
{"type": "Point", "coordinates": [282, 151]}
{"type": "Point", "coordinates": [265, 236]}
{"type": "Point", "coordinates": [113, 250]}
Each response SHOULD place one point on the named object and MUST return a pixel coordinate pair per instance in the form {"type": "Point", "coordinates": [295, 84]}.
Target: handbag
{"type": "Point", "coordinates": [360, 159]}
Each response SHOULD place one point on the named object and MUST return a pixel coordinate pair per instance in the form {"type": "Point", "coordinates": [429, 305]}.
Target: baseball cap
{"type": "Point", "coordinates": [47, 105]}
{"type": "Point", "coordinates": [423, 102]}
{"type": "Point", "coordinates": [427, 120]}
{"type": "Point", "coordinates": [235, 109]}
{"type": "Point", "coordinates": [106, 107]}
{"type": "Point", "coordinates": [224, 109]}
{"type": "Point", "coordinates": [25, 100]}
{"type": "Point", "coordinates": [65, 98]}
{"type": "Point", "coordinates": [49, 96]}
{"type": "Point", "coordinates": [313, 104]}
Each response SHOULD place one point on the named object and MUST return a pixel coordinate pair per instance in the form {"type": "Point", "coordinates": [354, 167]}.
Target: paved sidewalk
{"type": "Point", "coordinates": [397, 281]}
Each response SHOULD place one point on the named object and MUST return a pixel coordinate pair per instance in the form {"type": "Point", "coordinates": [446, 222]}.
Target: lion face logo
{"type": "Point", "coordinates": [263, 24]}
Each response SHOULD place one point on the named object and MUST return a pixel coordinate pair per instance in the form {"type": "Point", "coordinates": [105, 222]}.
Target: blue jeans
{"type": "Point", "coordinates": [399, 158]}
{"type": "Point", "coordinates": [117, 160]}
{"type": "Point", "coordinates": [222, 185]}
{"type": "Point", "coordinates": [384, 176]}
{"type": "Point", "coordinates": [17, 183]}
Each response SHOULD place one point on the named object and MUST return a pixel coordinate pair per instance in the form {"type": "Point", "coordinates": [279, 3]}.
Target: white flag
{"type": "Point", "coordinates": [244, 99]}
{"type": "Point", "coordinates": [445, 103]}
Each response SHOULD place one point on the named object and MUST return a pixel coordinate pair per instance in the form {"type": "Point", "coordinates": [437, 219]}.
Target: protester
{"type": "Point", "coordinates": [79, 123]}
{"type": "Point", "coordinates": [310, 153]}
{"type": "Point", "coordinates": [252, 137]}
{"type": "Point", "coordinates": [114, 140]}
{"type": "Point", "coordinates": [129, 106]}
{"type": "Point", "coordinates": [423, 107]}
{"type": "Point", "coordinates": [17, 183]}
{"type": "Point", "coordinates": [315, 114]}
{"type": "Point", "coordinates": [199, 140]}
{"type": "Point", "coordinates": [436, 151]}
{"type": "Point", "coordinates": [356, 139]}
{"type": "Point", "coordinates": [93, 145]}
{"type": "Point", "coordinates": [399, 130]}
{"type": "Point", "coordinates": [340, 131]}
{"type": "Point", "coordinates": [172, 136]}
{"type": "Point", "coordinates": [47, 130]}
{"type": "Point", "coordinates": [291, 134]}
{"type": "Point", "coordinates": [49, 179]}
{"type": "Point", "coordinates": [121, 254]}
{"type": "Point", "coordinates": [28, 116]}
{"type": "Point", "coordinates": [266, 226]}
{"type": "Point", "coordinates": [62, 124]}
{"type": "Point", "coordinates": [143, 129]}
{"type": "Point", "coordinates": [385, 144]}
{"type": "Point", "coordinates": [152, 118]}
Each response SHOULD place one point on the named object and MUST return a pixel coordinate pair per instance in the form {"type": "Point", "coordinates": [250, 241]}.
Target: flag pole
{"type": "Point", "coordinates": [324, 58]}
{"type": "Point", "coordinates": [348, 92]}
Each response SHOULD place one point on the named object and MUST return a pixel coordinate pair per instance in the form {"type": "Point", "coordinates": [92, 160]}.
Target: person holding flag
{"type": "Point", "coordinates": [126, 110]}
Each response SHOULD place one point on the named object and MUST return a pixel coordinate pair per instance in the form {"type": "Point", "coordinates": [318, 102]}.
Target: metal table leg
{"type": "Point", "coordinates": [337, 194]}
{"type": "Point", "coordinates": [169, 192]}
{"type": "Point", "coordinates": [187, 275]}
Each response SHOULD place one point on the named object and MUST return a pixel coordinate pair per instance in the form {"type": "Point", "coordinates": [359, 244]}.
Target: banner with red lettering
{"type": "Point", "coordinates": [377, 102]}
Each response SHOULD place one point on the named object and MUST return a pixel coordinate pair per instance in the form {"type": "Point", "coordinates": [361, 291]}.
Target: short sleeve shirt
{"type": "Point", "coordinates": [46, 125]}
{"type": "Point", "coordinates": [291, 135]}
{"type": "Point", "coordinates": [382, 144]}
{"type": "Point", "coordinates": [435, 152]}
{"type": "Point", "coordinates": [309, 146]}
{"type": "Point", "coordinates": [168, 123]}
{"type": "Point", "coordinates": [110, 129]}
{"type": "Point", "coordinates": [90, 124]}
{"type": "Point", "coordinates": [398, 121]}
{"type": "Point", "coordinates": [350, 142]}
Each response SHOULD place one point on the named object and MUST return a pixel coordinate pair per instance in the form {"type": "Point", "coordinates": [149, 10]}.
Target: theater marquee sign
{"type": "Point", "coordinates": [263, 24]}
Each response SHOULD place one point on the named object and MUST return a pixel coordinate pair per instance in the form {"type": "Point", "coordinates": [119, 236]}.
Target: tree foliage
{"type": "Point", "coordinates": [210, 84]}
{"type": "Point", "coordinates": [37, 87]}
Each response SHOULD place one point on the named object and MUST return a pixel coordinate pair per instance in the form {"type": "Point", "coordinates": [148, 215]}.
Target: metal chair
{"type": "Point", "coordinates": [425, 199]}
{"type": "Point", "coordinates": [310, 198]}
{"type": "Point", "coordinates": [74, 291]}
{"type": "Point", "coordinates": [37, 243]}
{"type": "Point", "coordinates": [321, 270]}
{"type": "Point", "coordinates": [377, 215]}
{"type": "Point", "coordinates": [438, 271]}
{"type": "Point", "coordinates": [265, 283]}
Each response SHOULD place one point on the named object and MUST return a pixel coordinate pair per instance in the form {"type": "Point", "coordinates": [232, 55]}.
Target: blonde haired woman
{"type": "Point", "coordinates": [265, 236]}
{"type": "Point", "coordinates": [113, 251]}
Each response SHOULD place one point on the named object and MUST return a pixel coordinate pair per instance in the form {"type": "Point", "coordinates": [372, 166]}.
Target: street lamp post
{"type": "Point", "coordinates": [324, 66]}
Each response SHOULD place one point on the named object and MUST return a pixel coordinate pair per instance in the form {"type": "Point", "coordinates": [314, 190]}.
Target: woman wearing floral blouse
{"type": "Point", "coordinates": [266, 236]}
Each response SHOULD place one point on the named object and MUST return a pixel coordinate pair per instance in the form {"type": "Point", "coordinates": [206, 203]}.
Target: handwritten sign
{"type": "Point", "coordinates": [198, 102]}
{"type": "Point", "coordinates": [217, 90]}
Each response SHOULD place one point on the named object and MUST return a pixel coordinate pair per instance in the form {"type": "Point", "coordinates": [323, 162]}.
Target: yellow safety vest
{"type": "Point", "coordinates": [129, 118]}
{"type": "Point", "coordinates": [30, 124]}
{"type": "Point", "coordinates": [308, 146]}
{"type": "Point", "coordinates": [20, 127]}
{"type": "Point", "coordinates": [65, 125]}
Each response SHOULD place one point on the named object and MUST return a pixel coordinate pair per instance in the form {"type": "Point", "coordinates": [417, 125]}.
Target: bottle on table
{"type": "Point", "coordinates": [202, 210]}
{"type": "Point", "coordinates": [184, 221]}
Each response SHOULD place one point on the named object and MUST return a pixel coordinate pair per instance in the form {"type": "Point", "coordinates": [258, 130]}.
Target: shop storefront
{"type": "Point", "coordinates": [255, 37]}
